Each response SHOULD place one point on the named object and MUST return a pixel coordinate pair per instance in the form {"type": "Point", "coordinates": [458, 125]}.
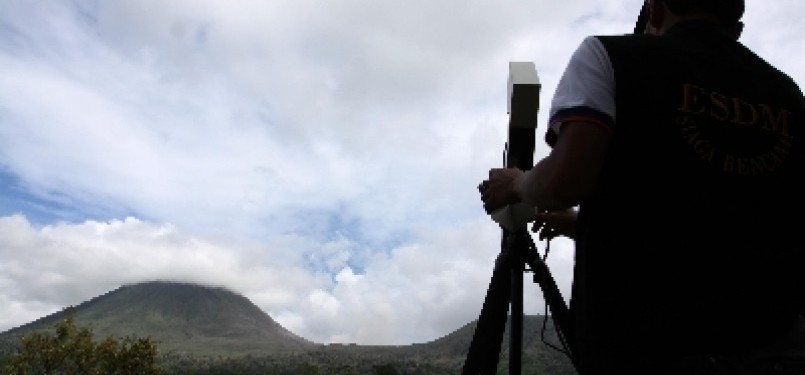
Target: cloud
{"type": "Point", "coordinates": [412, 293]}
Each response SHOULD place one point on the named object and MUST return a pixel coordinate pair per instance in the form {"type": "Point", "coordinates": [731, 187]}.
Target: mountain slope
{"type": "Point", "coordinates": [541, 347]}
{"type": "Point", "coordinates": [197, 321]}
{"type": "Point", "coordinates": [182, 318]}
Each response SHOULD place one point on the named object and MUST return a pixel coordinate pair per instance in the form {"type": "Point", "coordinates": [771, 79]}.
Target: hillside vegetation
{"type": "Point", "coordinates": [208, 330]}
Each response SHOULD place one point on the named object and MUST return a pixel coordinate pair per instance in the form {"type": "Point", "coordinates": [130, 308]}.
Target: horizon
{"type": "Point", "coordinates": [76, 309]}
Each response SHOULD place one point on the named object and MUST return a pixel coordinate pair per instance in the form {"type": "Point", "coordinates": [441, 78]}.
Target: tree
{"type": "Point", "coordinates": [68, 349]}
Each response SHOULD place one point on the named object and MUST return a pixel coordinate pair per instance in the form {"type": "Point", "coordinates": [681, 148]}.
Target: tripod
{"type": "Point", "coordinates": [517, 247]}
{"type": "Point", "coordinates": [505, 287]}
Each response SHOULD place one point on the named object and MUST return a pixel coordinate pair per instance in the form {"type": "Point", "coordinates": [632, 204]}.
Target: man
{"type": "Point", "coordinates": [682, 150]}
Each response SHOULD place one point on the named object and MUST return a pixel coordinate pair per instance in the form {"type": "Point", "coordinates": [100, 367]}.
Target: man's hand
{"type": "Point", "coordinates": [550, 224]}
{"type": "Point", "coordinates": [498, 191]}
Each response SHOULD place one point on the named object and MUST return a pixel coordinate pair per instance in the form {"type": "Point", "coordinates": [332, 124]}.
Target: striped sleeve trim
{"type": "Point", "coordinates": [577, 114]}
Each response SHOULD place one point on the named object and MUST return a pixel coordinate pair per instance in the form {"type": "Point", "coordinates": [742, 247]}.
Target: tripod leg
{"type": "Point", "coordinates": [516, 326]}
{"type": "Point", "coordinates": [552, 295]}
{"type": "Point", "coordinates": [484, 351]}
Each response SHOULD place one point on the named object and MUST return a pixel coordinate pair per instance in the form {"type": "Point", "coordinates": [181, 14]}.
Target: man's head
{"type": "Point", "coordinates": [727, 12]}
{"type": "Point", "coordinates": [665, 13]}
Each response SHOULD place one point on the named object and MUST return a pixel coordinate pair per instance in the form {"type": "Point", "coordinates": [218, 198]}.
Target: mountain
{"type": "Point", "coordinates": [189, 320]}
{"type": "Point", "coordinates": [181, 318]}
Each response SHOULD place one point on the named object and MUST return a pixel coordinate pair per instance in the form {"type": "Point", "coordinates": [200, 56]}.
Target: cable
{"type": "Point", "coordinates": [564, 349]}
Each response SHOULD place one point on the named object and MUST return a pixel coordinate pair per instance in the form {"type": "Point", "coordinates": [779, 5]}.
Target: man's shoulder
{"type": "Point", "coordinates": [628, 40]}
{"type": "Point", "coordinates": [771, 75]}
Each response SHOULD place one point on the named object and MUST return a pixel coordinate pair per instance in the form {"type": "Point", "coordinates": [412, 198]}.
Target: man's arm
{"type": "Point", "coordinates": [560, 180]}
{"type": "Point", "coordinates": [570, 172]}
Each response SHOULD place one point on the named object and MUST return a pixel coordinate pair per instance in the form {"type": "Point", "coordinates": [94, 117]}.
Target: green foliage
{"type": "Point", "coordinates": [307, 369]}
{"type": "Point", "coordinates": [385, 369]}
{"type": "Point", "coordinates": [445, 356]}
{"type": "Point", "coordinates": [68, 349]}
{"type": "Point", "coordinates": [211, 331]}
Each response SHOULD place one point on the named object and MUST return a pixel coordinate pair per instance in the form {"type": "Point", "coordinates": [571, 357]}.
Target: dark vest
{"type": "Point", "coordinates": [689, 244]}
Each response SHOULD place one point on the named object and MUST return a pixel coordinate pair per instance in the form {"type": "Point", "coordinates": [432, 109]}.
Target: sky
{"type": "Point", "coordinates": [320, 158]}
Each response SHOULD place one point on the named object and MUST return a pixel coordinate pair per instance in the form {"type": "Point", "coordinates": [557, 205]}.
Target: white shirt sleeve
{"type": "Point", "coordinates": [587, 83]}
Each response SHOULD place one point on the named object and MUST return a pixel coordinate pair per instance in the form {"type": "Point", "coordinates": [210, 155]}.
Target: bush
{"type": "Point", "coordinates": [68, 349]}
